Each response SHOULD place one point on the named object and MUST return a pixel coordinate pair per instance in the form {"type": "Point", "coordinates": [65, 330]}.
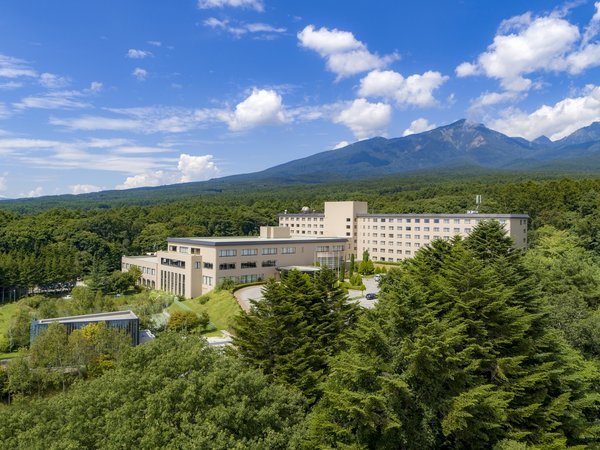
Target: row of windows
{"type": "Point", "coordinates": [298, 225]}
{"type": "Point", "coordinates": [416, 236]}
{"type": "Point", "coordinates": [145, 270]}
{"type": "Point", "coordinates": [391, 228]}
{"type": "Point", "coordinates": [172, 263]}
{"type": "Point", "coordinates": [423, 220]}
{"type": "Point", "coordinates": [251, 278]}
{"type": "Point", "coordinates": [303, 219]}
{"type": "Point", "coordinates": [306, 232]}
{"type": "Point", "coordinates": [172, 282]}
{"type": "Point", "coordinates": [248, 265]}
{"type": "Point", "coordinates": [426, 237]}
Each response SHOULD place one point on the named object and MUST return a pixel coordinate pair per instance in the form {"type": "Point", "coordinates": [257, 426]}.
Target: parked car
{"type": "Point", "coordinates": [371, 296]}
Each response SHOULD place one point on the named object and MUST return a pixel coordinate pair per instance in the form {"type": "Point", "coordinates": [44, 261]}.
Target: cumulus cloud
{"type": "Point", "coordinates": [84, 188]}
{"type": "Point", "coordinates": [155, 43]}
{"type": "Point", "coordinates": [140, 74]}
{"type": "Point", "coordinates": [241, 28]}
{"type": "Point", "coordinates": [365, 119]}
{"type": "Point", "coordinates": [52, 81]}
{"type": "Point", "coordinates": [95, 87]}
{"type": "Point", "coordinates": [341, 144]}
{"type": "Point", "coordinates": [257, 5]}
{"type": "Point", "coordinates": [493, 98]}
{"type": "Point", "coordinates": [526, 44]}
{"type": "Point", "coordinates": [261, 107]}
{"type": "Point", "coordinates": [37, 192]}
{"type": "Point", "coordinates": [419, 126]}
{"type": "Point", "coordinates": [414, 90]}
{"type": "Point", "coordinates": [189, 168]}
{"type": "Point", "coordinates": [15, 68]}
{"type": "Point", "coordinates": [555, 121]}
{"type": "Point", "coordinates": [134, 53]}
{"type": "Point", "coordinates": [344, 54]}
{"type": "Point", "coordinates": [195, 168]}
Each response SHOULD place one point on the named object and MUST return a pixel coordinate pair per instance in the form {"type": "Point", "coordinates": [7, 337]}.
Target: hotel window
{"type": "Point", "coordinates": [383, 227]}
{"type": "Point", "coordinates": [408, 228]}
{"type": "Point", "coordinates": [436, 220]}
{"type": "Point", "coordinates": [446, 230]}
{"type": "Point", "coordinates": [407, 236]}
{"type": "Point", "coordinates": [207, 281]}
{"type": "Point", "coordinates": [426, 220]}
{"type": "Point", "coordinates": [390, 220]}
{"type": "Point", "coordinates": [347, 227]}
{"type": "Point", "coordinates": [382, 234]}
{"type": "Point", "coordinates": [383, 220]}
{"type": "Point", "coordinates": [197, 265]}
{"type": "Point", "coordinates": [227, 266]}
{"type": "Point", "coordinates": [436, 228]}
{"type": "Point", "coordinates": [227, 252]}
{"type": "Point", "coordinates": [288, 250]}
{"type": "Point", "coordinates": [269, 263]}
{"type": "Point", "coordinates": [337, 248]}
{"type": "Point", "coordinates": [269, 251]}
{"type": "Point", "coordinates": [407, 252]}
{"type": "Point", "coordinates": [391, 235]}
{"type": "Point", "coordinates": [467, 230]}
{"type": "Point", "coordinates": [417, 244]}
{"type": "Point", "coordinates": [374, 219]}
{"type": "Point", "coordinates": [467, 220]}
{"type": "Point", "coordinates": [323, 248]}
{"type": "Point", "coordinates": [425, 228]}
{"type": "Point", "coordinates": [374, 242]}
{"type": "Point", "coordinates": [399, 252]}
{"type": "Point", "coordinates": [248, 265]}
{"type": "Point", "coordinates": [446, 220]}
{"type": "Point", "coordinates": [382, 250]}
{"type": "Point", "coordinates": [399, 228]}
{"type": "Point", "coordinates": [374, 227]}
{"type": "Point", "coordinates": [436, 237]}
{"type": "Point", "coordinates": [407, 220]}
{"type": "Point", "coordinates": [446, 238]}
{"type": "Point", "coordinates": [426, 237]}
{"type": "Point", "coordinates": [185, 250]}
{"type": "Point", "coordinates": [172, 248]}
{"type": "Point", "coordinates": [408, 244]}
{"type": "Point", "coordinates": [456, 220]}
{"type": "Point", "coordinates": [398, 244]}
{"type": "Point", "coordinates": [195, 251]}
{"type": "Point", "coordinates": [417, 236]}
{"type": "Point", "coordinates": [348, 219]}
{"type": "Point", "coordinates": [390, 250]}
{"type": "Point", "coordinates": [207, 265]}
{"type": "Point", "coordinates": [457, 230]}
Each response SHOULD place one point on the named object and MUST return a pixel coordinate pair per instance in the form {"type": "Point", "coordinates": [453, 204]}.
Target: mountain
{"type": "Point", "coordinates": [460, 144]}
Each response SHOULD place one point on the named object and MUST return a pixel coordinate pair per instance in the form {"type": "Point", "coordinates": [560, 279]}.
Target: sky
{"type": "Point", "coordinates": [108, 94]}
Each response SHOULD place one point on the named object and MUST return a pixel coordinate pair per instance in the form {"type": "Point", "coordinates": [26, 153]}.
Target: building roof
{"type": "Point", "coordinates": [441, 216]}
{"type": "Point", "coordinates": [98, 317]}
{"type": "Point", "coordinates": [255, 240]}
{"type": "Point", "coordinates": [144, 258]}
{"type": "Point", "coordinates": [306, 214]}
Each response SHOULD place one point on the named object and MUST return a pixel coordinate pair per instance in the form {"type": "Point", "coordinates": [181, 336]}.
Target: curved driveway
{"type": "Point", "coordinates": [244, 295]}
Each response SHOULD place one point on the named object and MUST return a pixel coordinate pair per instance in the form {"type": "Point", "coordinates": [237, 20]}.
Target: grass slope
{"type": "Point", "coordinates": [221, 307]}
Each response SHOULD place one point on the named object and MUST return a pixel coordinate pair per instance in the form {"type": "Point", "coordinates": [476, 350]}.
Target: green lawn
{"type": "Point", "coordinates": [6, 312]}
{"type": "Point", "coordinates": [221, 308]}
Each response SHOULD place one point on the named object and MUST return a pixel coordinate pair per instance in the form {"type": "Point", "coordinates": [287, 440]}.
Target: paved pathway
{"type": "Point", "coordinates": [244, 295]}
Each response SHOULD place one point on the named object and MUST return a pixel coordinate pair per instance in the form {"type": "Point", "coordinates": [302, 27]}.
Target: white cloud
{"type": "Point", "coordinates": [155, 43]}
{"type": "Point", "coordinates": [344, 54]}
{"type": "Point", "coordinates": [4, 112]}
{"type": "Point", "coordinates": [415, 90]}
{"type": "Point", "coordinates": [53, 100]}
{"type": "Point", "coordinates": [96, 86]}
{"type": "Point", "coordinates": [261, 107]}
{"type": "Point", "coordinates": [15, 68]}
{"type": "Point", "coordinates": [242, 28]}
{"type": "Point", "coordinates": [365, 119]}
{"type": "Point", "coordinates": [419, 126]}
{"type": "Point", "coordinates": [593, 27]}
{"type": "Point", "coordinates": [196, 168]}
{"type": "Point", "coordinates": [555, 121]}
{"type": "Point", "coordinates": [37, 192]}
{"type": "Point", "coordinates": [525, 44]}
{"type": "Point", "coordinates": [84, 188]}
{"type": "Point", "coordinates": [138, 54]}
{"type": "Point", "coordinates": [98, 123]}
{"type": "Point", "coordinates": [189, 168]}
{"type": "Point", "coordinates": [341, 144]}
{"type": "Point", "coordinates": [493, 98]}
{"type": "Point", "coordinates": [140, 74]}
{"type": "Point", "coordinates": [257, 5]}
{"type": "Point", "coordinates": [52, 81]}
{"type": "Point", "coordinates": [10, 85]}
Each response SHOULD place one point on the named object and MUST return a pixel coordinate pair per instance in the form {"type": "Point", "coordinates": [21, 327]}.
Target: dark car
{"type": "Point", "coordinates": [371, 296]}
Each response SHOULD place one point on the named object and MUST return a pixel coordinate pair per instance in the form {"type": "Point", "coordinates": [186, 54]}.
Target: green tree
{"type": "Point", "coordinates": [352, 266]}
{"type": "Point", "coordinates": [458, 353]}
{"type": "Point", "coordinates": [293, 330]}
{"type": "Point", "coordinates": [185, 321]}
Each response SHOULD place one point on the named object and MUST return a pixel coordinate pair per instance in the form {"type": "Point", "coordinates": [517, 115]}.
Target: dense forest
{"type": "Point", "coordinates": [471, 344]}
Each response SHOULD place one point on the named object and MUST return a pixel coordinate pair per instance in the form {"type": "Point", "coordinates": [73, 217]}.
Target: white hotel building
{"type": "Point", "coordinates": [194, 266]}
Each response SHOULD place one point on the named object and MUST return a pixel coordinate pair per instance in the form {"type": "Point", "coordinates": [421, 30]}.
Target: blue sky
{"type": "Point", "coordinates": [117, 94]}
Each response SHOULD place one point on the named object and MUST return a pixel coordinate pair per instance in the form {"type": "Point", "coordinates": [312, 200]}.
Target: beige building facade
{"type": "Point", "coordinates": [193, 266]}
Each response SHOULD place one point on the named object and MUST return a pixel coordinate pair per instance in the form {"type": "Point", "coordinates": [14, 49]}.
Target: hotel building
{"type": "Point", "coordinates": [194, 266]}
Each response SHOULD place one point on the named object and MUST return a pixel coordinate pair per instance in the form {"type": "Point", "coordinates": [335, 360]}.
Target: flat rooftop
{"type": "Point", "coordinates": [98, 317]}
{"type": "Point", "coordinates": [145, 258]}
{"type": "Point", "coordinates": [463, 215]}
{"type": "Point", "coordinates": [255, 240]}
